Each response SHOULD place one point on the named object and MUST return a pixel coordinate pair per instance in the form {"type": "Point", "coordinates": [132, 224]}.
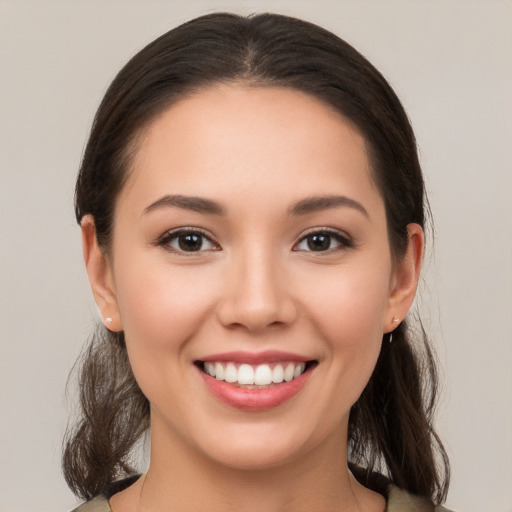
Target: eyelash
{"type": "Point", "coordinates": [342, 239]}
{"type": "Point", "coordinates": [165, 241]}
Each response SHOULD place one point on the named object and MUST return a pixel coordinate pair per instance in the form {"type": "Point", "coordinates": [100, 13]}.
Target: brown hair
{"type": "Point", "coordinates": [390, 426]}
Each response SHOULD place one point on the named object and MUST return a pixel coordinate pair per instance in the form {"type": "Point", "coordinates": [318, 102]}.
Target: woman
{"type": "Point", "coordinates": [252, 216]}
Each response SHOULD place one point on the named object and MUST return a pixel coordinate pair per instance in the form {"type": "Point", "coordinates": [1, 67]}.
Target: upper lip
{"type": "Point", "coordinates": [267, 356]}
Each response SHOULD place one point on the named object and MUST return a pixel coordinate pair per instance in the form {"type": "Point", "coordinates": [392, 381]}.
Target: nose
{"type": "Point", "coordinates": [257, 294]}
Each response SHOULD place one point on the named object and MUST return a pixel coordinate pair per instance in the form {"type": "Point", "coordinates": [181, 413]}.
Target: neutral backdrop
{"type": "Point", "coordinates": [450, 61]}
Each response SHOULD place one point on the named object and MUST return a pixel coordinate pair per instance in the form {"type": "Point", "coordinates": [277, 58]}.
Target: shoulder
{"type": "Point", "coordinates": [98, 504]}
{"type": "Point", "coordinates": [398, 500]}
{"type": "Point", "coordinates": [401, 501]}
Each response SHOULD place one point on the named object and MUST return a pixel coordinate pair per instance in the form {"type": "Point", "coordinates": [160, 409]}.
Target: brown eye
{"type": "Point", "coordinates": [323, 241]}
{"type": "Point", "coordinates": [187, 241]}
{"type": "Point", "coordinates": [190, 242]}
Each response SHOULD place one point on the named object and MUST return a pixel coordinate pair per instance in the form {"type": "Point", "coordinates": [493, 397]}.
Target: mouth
{"type": "Point", "coordinates": [255, 382]}
{"type": "Point", "coordinates": [255, 376]}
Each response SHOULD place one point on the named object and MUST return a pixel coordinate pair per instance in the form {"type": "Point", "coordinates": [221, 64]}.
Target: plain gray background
{"type": "Point", "coordinates": [449, 61]}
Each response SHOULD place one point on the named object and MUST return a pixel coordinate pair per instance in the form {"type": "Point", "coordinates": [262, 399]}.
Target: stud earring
{"type": "Point", "coordinates": [108, 320]}
{"type": "Point", "coordinates": [396, 320]}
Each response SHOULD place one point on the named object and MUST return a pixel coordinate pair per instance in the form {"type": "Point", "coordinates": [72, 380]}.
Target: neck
{"type": "Point", "coordinates": [180, 478]}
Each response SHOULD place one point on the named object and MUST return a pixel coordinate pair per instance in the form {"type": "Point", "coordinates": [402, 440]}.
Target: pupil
{"type": "Point", "coordinates": [190, 242]}
{"type": "Point", "coordinates": [319, 242]}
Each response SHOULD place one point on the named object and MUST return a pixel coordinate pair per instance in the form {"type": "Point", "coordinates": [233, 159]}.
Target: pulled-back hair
{"type": "Point", "coordinates": [391, 425]}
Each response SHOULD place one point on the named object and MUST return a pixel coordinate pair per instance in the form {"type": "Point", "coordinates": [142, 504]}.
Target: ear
{"type": "Point", "coordinates": [405, 278]}
{"type": "Point", "coordinates": [97, 264]}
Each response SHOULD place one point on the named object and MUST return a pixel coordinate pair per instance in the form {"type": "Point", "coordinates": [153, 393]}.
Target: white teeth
{"type": "Point", "coordinates": [263, 375]}
{"type": "Point", "coordinates": [298, 370]}
{"type": "Point", "coordinates": [259, 375]}
{"type": "Point", "coordinates": [210, 369]}
{"type": "Point", "coordinates": [219, 371]}
{"type": "Point", "coordinates": [278, 374]}
{"type": "Point", "coordinates": [231, 373]}
{"type": "Point", "coordinates": [289, 372]}
{"type": "Point", "coordinates": [245, 374]}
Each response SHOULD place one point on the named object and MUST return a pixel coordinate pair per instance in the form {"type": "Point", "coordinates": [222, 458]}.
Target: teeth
{"type": "Point", "coordinates": [299, 370]}
{"type": "Point", "coordinates": [219, 371]}
{"type": "Point", "coordinates": [278, 374]}
{"type": "Point", "coordinates": [289, 372]}
{"type": "Point", "coordinates": [259, 375]}
{"type": "Point", "coordinates": [210, 369]}
{"type": "Point", "coordinates": [245, 374]}
{"type": "Point", "coordinates": [263, 375]}
{"type": "Point", "coordinates": [231, 373]}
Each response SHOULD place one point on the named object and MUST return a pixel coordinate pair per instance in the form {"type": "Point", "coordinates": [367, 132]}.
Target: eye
{"type": "Point", "coordinates": [188, 241]}
{"type": "Point", "coordinates": [323, 241]}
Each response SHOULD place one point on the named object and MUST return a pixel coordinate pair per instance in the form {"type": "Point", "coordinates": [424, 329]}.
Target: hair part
{"type": "Point", "coordinates": [391, 425]}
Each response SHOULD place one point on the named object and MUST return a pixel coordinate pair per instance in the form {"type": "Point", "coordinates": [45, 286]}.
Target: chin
{"type": "Point", "coordinates": [267, 445]}
{"type": "Point", "coordinates": [255, 456]}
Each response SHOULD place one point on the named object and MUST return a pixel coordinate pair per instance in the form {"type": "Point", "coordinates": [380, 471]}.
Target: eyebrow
{"type": "Point", "coordinates": [302, 207]}
{"type": "Point", "coordinates": [195, 204]}
{"type": "Point", "coordinates": [319, 203]}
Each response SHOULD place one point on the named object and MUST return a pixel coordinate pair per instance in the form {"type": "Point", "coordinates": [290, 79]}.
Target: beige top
{"type": "Point", "coordinates": [398, 501]}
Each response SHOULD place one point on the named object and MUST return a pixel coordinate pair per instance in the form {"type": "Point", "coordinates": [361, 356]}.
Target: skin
{"type": "Point", "coordinates": [256, 286]}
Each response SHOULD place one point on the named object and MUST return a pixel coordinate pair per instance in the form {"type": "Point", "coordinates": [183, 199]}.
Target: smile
{"type": "Point", "coordinates": [255, 382]}
{"type": "Point", "coordinates": [256, 376]}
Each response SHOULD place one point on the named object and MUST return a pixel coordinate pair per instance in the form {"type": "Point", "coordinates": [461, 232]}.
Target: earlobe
{"type": "Point", "coordinates": [405, 277]}
{"type": "Point", "coordinates": [99, 271]}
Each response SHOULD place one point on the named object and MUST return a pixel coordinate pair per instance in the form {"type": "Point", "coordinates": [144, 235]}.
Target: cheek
{"type": "Point", "coordinates": [161, 306]}
{"type": "Point", "coordinates": [350, 311]}
{"type": "Point", "coordinates": [351, 305]}
{"type": "Point", "coordinates": [161, 310]}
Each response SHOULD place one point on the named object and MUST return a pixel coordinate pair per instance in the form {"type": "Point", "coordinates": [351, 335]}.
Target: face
{"type": "Point", "coordinates": [251, 272]}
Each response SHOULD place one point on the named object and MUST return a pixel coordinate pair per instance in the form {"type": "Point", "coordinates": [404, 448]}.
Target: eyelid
{"type": "Point", "coordinates": [165, 239]}
{"type": "Point", "coordinates": [344, 239]}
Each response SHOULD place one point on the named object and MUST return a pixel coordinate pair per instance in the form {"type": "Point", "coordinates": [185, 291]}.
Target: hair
{"type": "Point", "coordinates": [391, 425]}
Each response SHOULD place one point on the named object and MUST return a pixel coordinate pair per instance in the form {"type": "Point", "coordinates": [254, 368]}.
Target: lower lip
{"type": "Point", "coordinates": [255, 399]}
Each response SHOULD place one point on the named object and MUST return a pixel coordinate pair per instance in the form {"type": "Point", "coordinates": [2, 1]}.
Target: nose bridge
{"type": "Point", "coordinates": [256, 295]}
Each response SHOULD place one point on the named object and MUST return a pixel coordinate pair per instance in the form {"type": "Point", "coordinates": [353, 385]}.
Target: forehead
{"type": "Point", "coordinates": [239, 139]}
